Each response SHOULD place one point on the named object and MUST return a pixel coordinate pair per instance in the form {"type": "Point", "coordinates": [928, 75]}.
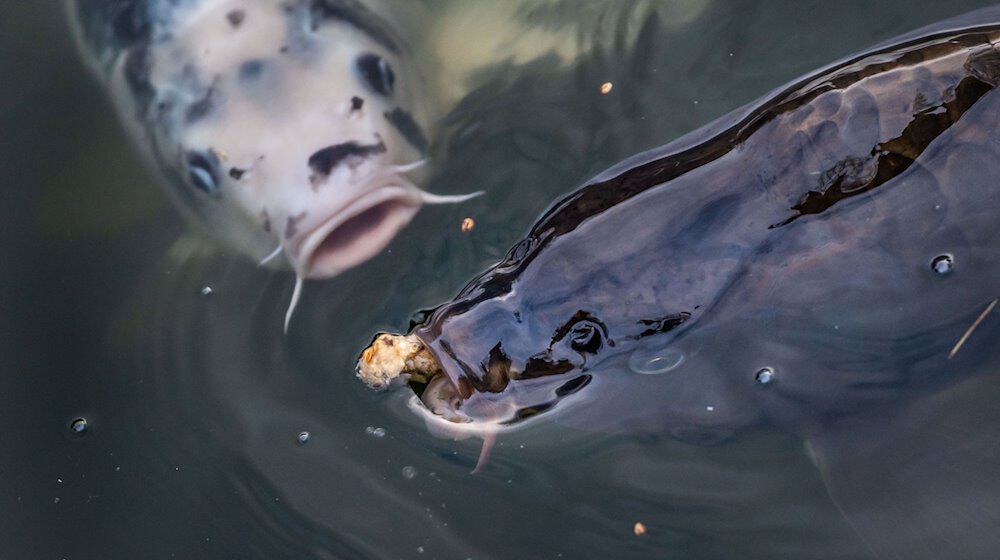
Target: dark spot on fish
{"type": "Point", "coordinates": [573, 385]}
{"type": "Point", "coordinates": [357, 103]}
{"type": "Point", "coordinates": [528, 412]}
{"type": "Point", "coordinates": [579, 319]}
{"type": "Point", "coordinates": [202, 107]}
{"type": "Point", "coordinates": [131, 25]}
{"type": "Point", "coordinates": [323, 161]}
{"type": "Point", "coordinates": [236, 18]}
{"type": "Point", "coordinates": [292, 225]}
{"type": "Point", "coordinates": [357, 15]}
{"type": "Point", "coordinates": [136, 70]}
{"type": "Point", "coordinates": [376, 73]}
{"type": "Point", "coordinates": [985, 66]}
{"type": "Point", "coordinates": [408, 127]}
{"type": "Point", "coordinates": [251, 69]}
{"type": "Point", "coordinates": [236, 173]}
{"type": "Point", "coordinates": [203, 170]}
{"type": "Point", "coordinates": [887, 160]}
{"type": "Point", "coordinates": [542, 366]}
{"type": "Point", "coordinates": [496, 372]}
{"type": "Point", "coordinates": [283, 49]}
{"type": "Point", "coordinates": [585, 337]}
{"type": "Point", "coordinates": [265, 219]}
{"type": "Point", "coordinates": [663, 324]}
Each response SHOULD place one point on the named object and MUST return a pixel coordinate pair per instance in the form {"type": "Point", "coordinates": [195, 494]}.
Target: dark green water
{"type": "Point", "coordinates": [194, 403]}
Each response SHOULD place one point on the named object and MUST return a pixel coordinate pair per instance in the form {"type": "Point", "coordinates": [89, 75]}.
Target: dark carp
{"type": "Point", "coordinates": [824, 260]}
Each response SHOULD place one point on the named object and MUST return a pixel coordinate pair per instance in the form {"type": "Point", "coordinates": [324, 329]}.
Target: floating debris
{"type": "Point", "coordinates": [943, 264]}
{"type": "Point", "coordinates": [409, 473]}
{"type": "Point", "coordinates": [639, 529]}
{"type": "Point", "coordinates": [392, 355]}
{"type": "Point", "coordinates": [206, 291]}
{"type": "Point", "coordinates": [764, 376]}
{"type": "Point", "coordinates": [468, 224]}
{"type": "Point", "coordinates": [303, 438]}
{"type": "Point", "coordinates": [375, 432]}
{"type": "Point", "coordinates": [972, 327]}
{"type": "Point", "coordinates": [606, 88]}
{"type": "Point", "coordinates": [79, 426]}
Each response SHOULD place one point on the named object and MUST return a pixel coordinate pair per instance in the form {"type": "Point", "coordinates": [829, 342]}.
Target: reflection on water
{"type": "Point", "coordinates": [158, 410]}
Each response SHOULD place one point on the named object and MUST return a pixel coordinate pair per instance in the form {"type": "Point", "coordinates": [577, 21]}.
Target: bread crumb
{"type": "Point", "coordinates": [392, 355]}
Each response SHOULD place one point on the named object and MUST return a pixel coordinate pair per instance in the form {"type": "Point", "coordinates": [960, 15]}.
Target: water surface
{"type": "Point", "coordinates": [195, 402]}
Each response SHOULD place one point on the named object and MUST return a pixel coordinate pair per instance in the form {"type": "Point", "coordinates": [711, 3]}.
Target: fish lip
{"type": "Point", "coordinates": [445, 368]}
{"type": "Point", "coordinates": [409, 202]}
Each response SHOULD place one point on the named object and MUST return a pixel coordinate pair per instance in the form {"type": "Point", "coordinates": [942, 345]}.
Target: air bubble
{"type": "Point", "coordinates": [649, 362]}
{"type": "Point", "coordinates": [375, 432]}
{"type": "Point", "coordinates": [303, 438]}
{"type": "Point", "coordinates": [764, 376]}
{"type": "Point", "coordinates": [943, 264]}
{"type": "Point", "coordinates": [206, 291]}
{"type": "Point", "coordinates": [79, 426]}
{"type": "Point", "coordinates": [409, 473]}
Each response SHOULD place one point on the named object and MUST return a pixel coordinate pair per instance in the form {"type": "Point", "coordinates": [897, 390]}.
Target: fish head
{"type": "Point", "coordinates": [294, 125]}
{"type": "Point", "coordinates": [606, 337]}
{"type": "Point", "coordinates": [513, 345]}
{"type": "Point", "coordinates": [309, 130]}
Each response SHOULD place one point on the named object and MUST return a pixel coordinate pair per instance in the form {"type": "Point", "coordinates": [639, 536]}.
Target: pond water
{"type": "Point", "coordinates": [155, 408]}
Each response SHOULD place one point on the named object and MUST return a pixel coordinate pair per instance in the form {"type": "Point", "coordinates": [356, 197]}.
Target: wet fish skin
{"type": "Point", "coordinates": [756, 219]}
{"type": "Point", "coordinates": [796, 233]}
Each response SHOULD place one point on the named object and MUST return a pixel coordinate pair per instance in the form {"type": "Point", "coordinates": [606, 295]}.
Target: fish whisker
{"type": "Point", "coordinates": [271, 256]}
{"type": "Point", "coordinates": [296, 294]}
{"type": "Point", "coordinates": [431, 198]}
{"type": "Point", "coordinates": [407, 167]}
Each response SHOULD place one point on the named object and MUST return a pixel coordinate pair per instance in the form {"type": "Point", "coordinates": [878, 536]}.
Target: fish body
{"type": "Point", "coordinates": [824, 260]}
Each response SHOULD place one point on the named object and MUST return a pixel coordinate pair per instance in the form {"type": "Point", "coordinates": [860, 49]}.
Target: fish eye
{"type": "Point", "coordinates": [202, 171]}
{"type": "Point", "coordinates": [585, 337]}
{"type": "Point", "coordinates": [376, 72]}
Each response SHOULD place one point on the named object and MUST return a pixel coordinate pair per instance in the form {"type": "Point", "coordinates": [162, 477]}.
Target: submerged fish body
{"type": "Point", "coordinates": [824, 260]}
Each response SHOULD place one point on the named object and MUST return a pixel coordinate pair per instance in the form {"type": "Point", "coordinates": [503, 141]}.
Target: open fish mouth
{"type": "Point", "coordinates": [393, 360]}
{"type": "Point", "coordinates": [445, 400]}
{"type": "Point", "coordinates": [358, 232]}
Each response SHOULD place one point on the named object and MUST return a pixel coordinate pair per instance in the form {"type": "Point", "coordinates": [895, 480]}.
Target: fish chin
{"type": "Point", "coordinates": [357, 232]}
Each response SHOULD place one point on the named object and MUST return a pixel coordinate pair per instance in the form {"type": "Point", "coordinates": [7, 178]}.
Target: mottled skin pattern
{"type": "Point", "coordinates": [797, 234]}
{"type": "Point", "coordinates": [284, 124]}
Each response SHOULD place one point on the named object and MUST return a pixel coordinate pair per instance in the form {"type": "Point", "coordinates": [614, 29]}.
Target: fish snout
{"type": "Point", "coordinates": [323, 244]}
